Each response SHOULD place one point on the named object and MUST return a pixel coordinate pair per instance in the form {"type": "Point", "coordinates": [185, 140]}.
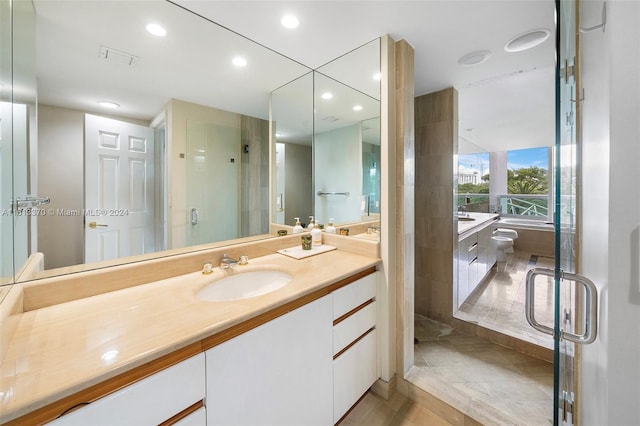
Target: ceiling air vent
{"type": "Point", "coordinates": [117, 56]}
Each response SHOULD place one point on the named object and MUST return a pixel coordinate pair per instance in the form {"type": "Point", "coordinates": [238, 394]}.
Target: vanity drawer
{"type": "Point", "coordinates": [353, 373]}
{"type": "Point", "coordinates": [151, 400]}
{"type": "Point", "coordinates": [354, 326]}
{"type": "Point", "coordinates": [350, 297]}
{"type": "Point", "coordinates": [197, 418]}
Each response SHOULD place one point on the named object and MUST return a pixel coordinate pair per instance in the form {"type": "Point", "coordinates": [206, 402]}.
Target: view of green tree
{"type": "Point", "coordinates": [528, 180]}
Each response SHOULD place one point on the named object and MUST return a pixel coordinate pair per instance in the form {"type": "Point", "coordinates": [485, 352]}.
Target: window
{"type": "Point", "coordinates": [527, 183]}
{"type": "Point", "coordinates": [473, 181]}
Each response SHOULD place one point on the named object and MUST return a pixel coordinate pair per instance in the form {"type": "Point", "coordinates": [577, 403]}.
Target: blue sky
{"type": "Point", "coordinates": [528, 157]}
{"type": "Point", "coordinates": [515, 160]}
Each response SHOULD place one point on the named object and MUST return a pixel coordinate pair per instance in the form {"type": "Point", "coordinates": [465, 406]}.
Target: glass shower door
{"type": "Point", "coordinates": [575, 296]}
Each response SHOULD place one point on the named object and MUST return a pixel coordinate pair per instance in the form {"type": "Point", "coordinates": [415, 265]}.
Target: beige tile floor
{"type": "Point", "coordinates": [499, 302]}
{"type": "Point", "coordinates": [490, 383]}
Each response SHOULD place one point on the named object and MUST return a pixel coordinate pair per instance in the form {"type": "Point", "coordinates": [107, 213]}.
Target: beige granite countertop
{"type": "Point", "coordinates": [62, 349]}
{"type": "Point", "coordinates": [480, 220]}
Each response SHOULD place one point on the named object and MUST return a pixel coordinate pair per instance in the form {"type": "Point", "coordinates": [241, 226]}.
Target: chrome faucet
{"type": "Point", "coordinates": [227, 262]}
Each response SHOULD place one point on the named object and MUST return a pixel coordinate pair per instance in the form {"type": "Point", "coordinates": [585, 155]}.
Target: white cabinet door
{"type": "Point", "coordinates": [353, 373]}
{"type": "Point", "coordinates": [279, 373]}
{"type": "Point", "coordinates": [149, 401]}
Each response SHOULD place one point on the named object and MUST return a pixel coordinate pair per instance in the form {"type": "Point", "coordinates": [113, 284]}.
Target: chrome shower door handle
{"type": "Point", "coordinates": [590, 319]}
{"type": "Point", "coordinates": [529, 303]}
{"type": "Point", "coordinates": [591, 310]}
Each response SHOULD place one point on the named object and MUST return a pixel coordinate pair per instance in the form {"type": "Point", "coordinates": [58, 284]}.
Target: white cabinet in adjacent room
{"type": "Point", "coordinates": [475, 258]}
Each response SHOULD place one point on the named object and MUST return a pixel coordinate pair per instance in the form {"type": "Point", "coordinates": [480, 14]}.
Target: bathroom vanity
{"type": "Point", "coordinates": [303, 353]}
{"type": "Point", "coordinates": [475, 256]}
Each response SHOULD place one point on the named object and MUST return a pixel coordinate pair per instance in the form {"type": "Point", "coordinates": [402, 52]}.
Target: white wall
{"type": "Point", "coordinates": [298, 191]}
{"type": "Point", "coordinates": [610, 368]}
{"type": "Point", "coordinates": [498, 173]}
{"type": "Point", "coordinates": [61, 177]}
{"type": "Point", "coordinates": [338, 168]}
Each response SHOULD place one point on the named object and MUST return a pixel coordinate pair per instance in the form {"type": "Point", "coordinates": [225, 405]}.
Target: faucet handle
{"type": "Point", "coordinates": [207, 268]}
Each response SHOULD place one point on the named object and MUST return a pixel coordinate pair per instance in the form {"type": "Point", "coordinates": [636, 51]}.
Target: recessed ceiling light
{"type": "Point", "coordinates": [108, 104]}
{"type": "Point", "coordinates": [527, 40]}
{"type": "Point", "coordinates": [278, 135]}
{"type": "Point", "coordinates": [290, 21]}
{"type": "Point", "coordinates": [327, 95]}
{"type": "Point", "coordinates": [156, 30]}
{"type": "Point", "coordinates": [357, 107]}
{"type": "Point", "coordinates": [239, 61]}
{"type": "Point", "coordinates": [475, 57]}
{"type": "Point", "coordinates": [377, 76]}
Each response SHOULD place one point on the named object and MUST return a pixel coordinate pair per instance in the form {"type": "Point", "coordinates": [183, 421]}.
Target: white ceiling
{"type": "Point", "coordinates": [507, 101]}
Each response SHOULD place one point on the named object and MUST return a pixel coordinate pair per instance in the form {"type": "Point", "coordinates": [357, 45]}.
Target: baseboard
{"type": "Point", "coordinates": [385, 389]}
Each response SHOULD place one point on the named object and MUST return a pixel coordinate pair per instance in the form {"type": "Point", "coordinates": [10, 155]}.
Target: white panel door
{"type": "Point", "coordinates": [119, 189]}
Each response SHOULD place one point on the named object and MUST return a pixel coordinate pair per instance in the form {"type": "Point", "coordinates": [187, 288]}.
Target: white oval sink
{"type": "Point", "coordinates": [243, 286]}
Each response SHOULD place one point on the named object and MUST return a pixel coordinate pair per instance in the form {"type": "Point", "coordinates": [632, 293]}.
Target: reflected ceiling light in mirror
{"type": "Point", "coordinates": [278, 135]}
{"type": "Point", "coordinates": [527, 40]}
{"type": "Point", "coordinates": [377, 76]}
{"type": "Point", "coordinates": [357, 107]}
{"type": "Point", "coordinates": [239, 61]}
{"type": "Point", "coordinates": [474, 58]}
{"type": "Point", "coordinates": [327, 95]}
{"type": "Point", "coordinates": [290, 21]}
{"type": "Point", "coordinates": [156, 30]}
{"type": "Point", "coordinates": [107, 104]}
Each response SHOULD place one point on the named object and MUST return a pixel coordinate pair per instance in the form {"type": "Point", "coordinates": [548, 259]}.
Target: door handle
{"type": "Point", "coordinates": [94, 225]}
{"type": "Point", "coordinates": [591, 306]}
{"type": "Point", "coordinates": [194, 216]}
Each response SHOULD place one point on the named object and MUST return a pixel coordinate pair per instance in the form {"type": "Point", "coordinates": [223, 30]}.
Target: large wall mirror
{"type": "Point", "coordinates": [142, 144]}
{"type": "Point", "coordinates": [180, 159]}
{"type": "Point", "coordinates": [17, 127]}
{"type": "Point", "coordinates": [327, 132]}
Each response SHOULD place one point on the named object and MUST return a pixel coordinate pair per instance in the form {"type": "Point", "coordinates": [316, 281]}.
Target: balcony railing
{"type": "Point", "coordinates": [530, 205]}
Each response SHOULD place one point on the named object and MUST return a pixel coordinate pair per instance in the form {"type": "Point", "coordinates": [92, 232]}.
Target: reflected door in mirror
{"type": "Point", "coordinates": [119, 189]}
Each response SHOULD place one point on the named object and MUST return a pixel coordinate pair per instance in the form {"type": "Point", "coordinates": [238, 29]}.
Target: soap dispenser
{"type": "Point", "coordinates": [316, 236]}
{"type": "Point", "coordinates": [297, 228]}
{"type": "Point", "coordinates": [311, 223]}
{"type": "Point", "coordinates": [330, 228]}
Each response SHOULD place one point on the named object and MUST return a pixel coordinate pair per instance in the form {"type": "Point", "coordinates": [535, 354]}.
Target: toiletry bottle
{"type": "Point", "coordinates": [316, 236]}
{"type": "Point", "coordinates": [298, 228]}
{"type": "Point", "coordinates": [311, 223]}
{"type": "Point", "coordinates": [330, 228]}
